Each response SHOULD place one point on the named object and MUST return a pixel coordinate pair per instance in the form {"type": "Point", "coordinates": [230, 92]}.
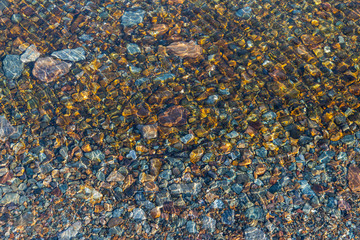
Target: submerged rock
{"type": "Point", "coordinates": [74, 55]}
{"type": "Point", "coordinates": [185, 49]}
{"type": "Point", "coordinates": [30, 55]}
{"type": "Point", "coordinates": [6, 129]}
{"type": "Point", "coordinates": [13, 66]}
{"type": "Point", "coordinates": [48, 69]}
{"type": "Point", "coordinates": [132, 17]}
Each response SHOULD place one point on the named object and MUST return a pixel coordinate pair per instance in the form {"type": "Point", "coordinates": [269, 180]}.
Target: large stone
{"type": "Point", "coordinates": [132, 17]}
{"type": "Point", "coordinates": [185, 49]}
{"type": "Point", "coordinates": [354, 178]}
{"type": "Point", "coordinates": [30, 55]}
{"type": "Point", "coordinates": [252, 233]}
{"type": "Point", "coordinates": [12, 66]}
{"type": "Point", "coordinates": [148, 131]}
{"type": "Point", "coordinates": [6, 129]}
{"type": "Point", "coordinates": [48, 69]}
{"type": "Point", "coordinates": [174, 116]}
{"type": "Point", "coordinates": [74, 55]}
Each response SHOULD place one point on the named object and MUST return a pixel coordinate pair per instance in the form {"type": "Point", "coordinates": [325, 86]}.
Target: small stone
{"type": "Point", "coordinates": [133, 48]}
{"type": "Point", "coordinates": [48, 69]}
{"type": "Point", "coordinates": [115, 176]}
{"type": "Point", "coordinates": [6, 129]}
{"type": "Point", "coordinates": [140, 81]}
{"type": "Point", "coordinates": [95, 155]}
{"type": "Point", "coordinates": [255, 213]}
{"type": "Point", "coordinates": [30, 55]}
{"type": "Point", "coordinates": [132, 17]}
{"type": "Point", "coordinates": [74, 55]}
{"type": "Point", "coordinates": [10, 198]}
{"type": "Point", "coordinates": [164, 77]}
{"type": "Point", "coordinates": [13, 66]}
{"type": "Point", "coordinates": [16, 18]}
{"type": "Point", "coordinates": [71, 232]}
{"type": "Point", "coordinates": [354, 178]}
{"type": "Point", "coordinates": [148, 131]}
{"type": "Point", "coordinates": [228, 217]}
{"type": "Point", "coordinates": [185, 49]}
{"type": "Point", "coordinates": [232, 134]}
{"type": "Point", "coordinates": [132, 154]}
{"type": "Point", "coordinates": [212, 100]}
{"type": "Point", "coordinates": [191, 227]}
{"type": "Point", "coordinates": [187, 138]}
{"type": "Point", "coordinates": [209, 223]}
{"type": "Point", "coordinates": [252, 233]}
{"type": "Point", "coordinates": [155, 212]}
{"type": "Point", "coordinates": [174, 116]}
{"type": "Point", "coordinates": [244, 12]}
{"type": "Point", "coordinates": [115, 221]}
{"type": "Point", "coordinates": [217, 204]}
{"type": "Point", "coordinates": [138, 214]}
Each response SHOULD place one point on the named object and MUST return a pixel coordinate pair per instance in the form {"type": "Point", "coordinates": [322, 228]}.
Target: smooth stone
{"type": "Point", "coordinates": [6, 129]}
{"type": "Point", "coordinates": [16, 18]}
{"type": "Point", "coordinates": [71, 232]}
{"type": "Point", "coordinates": [191, 227]}
{"type": "Point", "coordinates": [185, 49]}
{"type": "Point", "coordinates": [187, 138]}
{"type": "Point", "coordinates": [252, 233]}
{"type": "Point", "coordinates": [95, 155]}
{"type": "Point", "coordinates": [148, 131]}
{"type": "Point", "coordinates": [12, 66]}
{"type": "Point", "coordinates": [74, 55]}
{"type": "Point", "coordinates": [133, 48]}
{"type": "Point", "coordinates": [164, 77]}
{"type": "Point", "coordinates": [255, 213]}
{"type": "Point", "coordinates": [30, 54]}
{"type": "Point", "coordinates": [213, 99]}
{"type": "Point", "coordinates": [228, 217]}
{"type": "Point", "coordinates": [244, 12]}
{"type": "Point", "coordinates": [232, 134]}
{"type": "Point", "coordinates": [10, 198]}
{"type": "Point", "coordinates": [190, 188]}
{"type": "Point", "coordinates": [132, 154]}
{"type": "Point", "coordinates": [217, 204]}
{"type": "Point", "coordinates": [209, 223]}
{"type": "Point", "coordinates": [132, 18]}
{"type": "Point", "coordinates": [48, 69]}
{"type": "Point", "coordinates": [138, 214]}
{"type": "Point", "coordinates": [134, 70]}
{"type": "Point", "coordinates": [3, 4]}
{"type": "Point", "coordinates": [140, 81]}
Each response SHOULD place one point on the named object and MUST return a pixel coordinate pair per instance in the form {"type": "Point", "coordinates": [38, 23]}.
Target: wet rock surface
{"type": "Point", "coordinates": [179, 119]}
{"type": "Point", "coordinates": [48, 69]}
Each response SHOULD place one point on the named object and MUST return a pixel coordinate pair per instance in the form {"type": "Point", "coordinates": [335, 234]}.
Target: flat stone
{"type": "Point", "coordinates": [252, 233]}
{"type": "Point", "coordinates": [133, 48]}
{"type": "Point", "coordinates": [209, 223]}
{"type": "Point", "coordinates": [10, 198]}
{"type": "Point", "coordinates": [13, 66]}
{"type": "Point", "coordinates": [132, 17]}
{"type": "Point", "coordinates": [228, 217]}
{"type": "Point", "coordinates": [190, 188]}
{"type": "Point", "coordinates": [148, 131]}
{"type": "Point", "coordinates": [95, 155]}
{"type": "Point", "coordinates": [164, 77]}
{"type": "Point", "coordinates": [74, 55]}
{"type": "Point", "coordinates": [71, 232]}
{"type": "Point", "coordinates": [6, 129]}
{"type": "Point", "coordinates": [115, 176]}
{"type": "Point", "coordinates": [30, 55]}
{"type": "Point", "coordinates": [174, 116]}
{"type": "Point", "coordinates": [3, 4]}
{"type": "Point", "coordinates": [354, 178]}
{"type": "Point", "coordinates": [191, 227]}
{"type": "Point", "coordinates": [185, 49]}
{"type": "Point", "coordinates": [138, 214]}
{"type": "Point", "coordinates": [48, 69]}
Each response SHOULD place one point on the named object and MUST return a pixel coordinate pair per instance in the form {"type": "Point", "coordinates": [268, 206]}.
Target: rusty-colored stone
{"type": "Point", "coordinates": [354, 178]}
{"type": "Point", "coordinates": [174, 116]}
{"type": "Point", "coordinates": [48, 69]}
{"type": "Point", "coordinates": [185, 49]}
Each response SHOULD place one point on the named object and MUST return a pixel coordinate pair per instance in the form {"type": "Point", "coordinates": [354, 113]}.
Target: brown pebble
{"type": "Point", "coordinates": [354, 178]}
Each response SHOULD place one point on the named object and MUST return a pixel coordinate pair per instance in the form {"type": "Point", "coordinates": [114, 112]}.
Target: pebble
{"type": "Point", "coordinates": [132, 17]}
{"type": "Point", "coordinates": [133, 48]}
{"type": "Point", "coordinates": [12, 66]}
{"type": "Point", "coordinates": [148, 131]}
{"type": "Point", "coordinates": [138, 214]}
{"type": "Point", "coordinates": [187, 138]}
{"type": "Point", "coordinates": [6, 129]}
{"type": "Point", "coordinates": [228, 217]}
{"type": "Point", "coordinates": [217, 204]}
{"type": "Point", "coordinates": [74, 55]}
{"type": "Point", "coordinates": [185, 49]}
{"type": "Point", "coordinates": [30, 54]}
{"type": "Point", "coordinates": [191, 227]}
{"type": "Point", "coordinates": [255, 213]}
{"type": "Point", "coordinates": [164, 77]}
{"type": "Point", "coordinates": [244, 12]}
{"type": "Point", "coordinates": [132, 155]}
{"type": "Point", "coordinates": [71, 232]}
{"type": "Point", "coordinates": [354, 178]}
{"type": "Point", "coordinates": [252, 233]}
{"type": "Point", "coordinates": [10, 198]}
{"type": "Point", "coordinates": [209, 223]}
{"type": "Point", "coordinates": [48, 69]}
{"type": "Point", "coordinates": [96, 155]}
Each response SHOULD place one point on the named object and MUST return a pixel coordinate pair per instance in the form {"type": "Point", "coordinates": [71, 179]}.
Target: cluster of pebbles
{"type": "Point", "coordinates": [179, 119]}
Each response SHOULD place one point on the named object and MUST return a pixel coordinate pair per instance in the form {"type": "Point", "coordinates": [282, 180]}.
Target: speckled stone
{"type": "Point", "coordinates": [12, 66]}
